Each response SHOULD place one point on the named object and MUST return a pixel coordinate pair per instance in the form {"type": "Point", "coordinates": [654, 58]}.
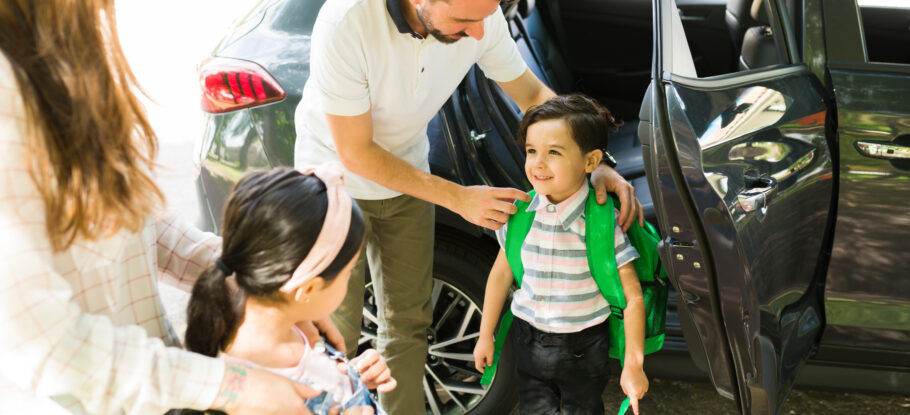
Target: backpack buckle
{"type": "Point", "coordinates": [616, 311]}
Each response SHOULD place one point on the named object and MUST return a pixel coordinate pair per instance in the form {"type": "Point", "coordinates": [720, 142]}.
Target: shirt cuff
{"type": "Point", "coordinates": [627, 255]}
{"type": "Point", "coordinates": [210, 372]}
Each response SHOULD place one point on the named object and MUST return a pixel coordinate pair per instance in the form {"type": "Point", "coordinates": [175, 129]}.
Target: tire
{"type": "Point", "coordinates": [452, 385]}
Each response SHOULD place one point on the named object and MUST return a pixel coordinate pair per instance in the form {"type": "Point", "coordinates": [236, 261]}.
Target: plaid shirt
{"type": "Point", "coordinates": [85, 327]}
{"type": "Point", "coordinates": [558, 293]}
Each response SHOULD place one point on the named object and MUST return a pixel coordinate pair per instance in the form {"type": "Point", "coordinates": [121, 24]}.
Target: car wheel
{"type": "Point", "coordinates": [451, 384]}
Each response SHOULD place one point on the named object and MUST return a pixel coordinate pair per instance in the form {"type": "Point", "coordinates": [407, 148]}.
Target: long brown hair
{"type": "Point", "coordinates": [91, 144]}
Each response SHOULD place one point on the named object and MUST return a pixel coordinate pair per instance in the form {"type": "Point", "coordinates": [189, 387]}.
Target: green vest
{"type": "Point", "coordinates": [599, 238]}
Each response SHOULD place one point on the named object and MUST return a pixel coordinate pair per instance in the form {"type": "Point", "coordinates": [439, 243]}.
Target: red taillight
{"type": "Point", "coordinates": [230, 85]}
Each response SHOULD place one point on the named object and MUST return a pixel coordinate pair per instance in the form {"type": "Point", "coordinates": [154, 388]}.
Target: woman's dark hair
{"type": "Point", "coordinates": [589, 122]}
{"type": "Point", "coordinates": [271, 221]}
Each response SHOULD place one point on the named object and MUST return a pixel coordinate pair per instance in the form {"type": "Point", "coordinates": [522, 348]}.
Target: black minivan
{"type": "Point", "coordinates": [769, 140]}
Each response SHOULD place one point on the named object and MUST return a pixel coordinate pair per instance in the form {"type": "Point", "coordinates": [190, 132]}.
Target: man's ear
{"type": "Point", "coordinates": [592, 160]}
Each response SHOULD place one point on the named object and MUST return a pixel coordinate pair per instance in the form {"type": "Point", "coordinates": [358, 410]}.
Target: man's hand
{"type": "Point", "coordinates": [374, 372]}
{"type": "Point", "coordinates": [606, 180]}
{"type": "Point", "coordinates": [254, 391]}
{"type": "Point", "coordinates": [483, 353]}
{"type": "Point", "coordinates": [634, 384]}
{"type": "Point", "coordinates": [314, 330]}
{"type": "Point", "coordinates": [486, 206]}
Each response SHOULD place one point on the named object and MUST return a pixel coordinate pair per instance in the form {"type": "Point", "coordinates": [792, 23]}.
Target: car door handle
{"type": "Point", "coordinates": [883, 150]}
{"type": "Point", "coordinates": [757, 194]}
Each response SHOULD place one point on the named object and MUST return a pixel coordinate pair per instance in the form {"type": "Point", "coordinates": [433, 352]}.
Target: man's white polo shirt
{"type": "Point", "coordinates": [365, 57]}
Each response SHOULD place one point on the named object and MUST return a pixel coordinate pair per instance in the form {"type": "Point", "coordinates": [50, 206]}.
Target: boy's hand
{"type": "Point", "coordinates": [483, 352]}
{"type": "Point", "coordinates": [634, 384]}
{"type": "Point", "coordinates": [374, 372]}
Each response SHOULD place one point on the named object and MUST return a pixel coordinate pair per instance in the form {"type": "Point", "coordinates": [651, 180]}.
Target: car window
{"type": "Point", "coordinates": [755, 42]}
{"type": "Point", "coordinates": [886, 31]}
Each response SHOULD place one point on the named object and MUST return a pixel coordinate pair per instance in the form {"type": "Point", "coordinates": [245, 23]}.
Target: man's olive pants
{"type": "Point", "coordinates": [399, 249]}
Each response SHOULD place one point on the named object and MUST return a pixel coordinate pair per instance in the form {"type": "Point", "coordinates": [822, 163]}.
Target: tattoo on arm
{"type": "Point", "coordinates": [231, 387]}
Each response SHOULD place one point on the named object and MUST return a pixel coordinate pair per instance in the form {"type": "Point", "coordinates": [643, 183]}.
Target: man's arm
{"type": "Point", "coordinates": [527, 90]}
{"type": "Point", "coordinates": [485, 206]}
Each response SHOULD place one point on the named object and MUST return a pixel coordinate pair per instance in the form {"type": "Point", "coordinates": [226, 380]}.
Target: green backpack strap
{"type": "Point", "coordinates": [518, 228]}
{"type": "Point", "coordinates": [600, 222]}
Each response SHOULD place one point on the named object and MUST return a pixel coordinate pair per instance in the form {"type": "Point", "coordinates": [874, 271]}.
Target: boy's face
{"type": "Point", "coordinates": [555, 164]}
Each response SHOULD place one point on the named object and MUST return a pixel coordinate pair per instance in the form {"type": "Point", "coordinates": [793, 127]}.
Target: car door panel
{"type": "Point", "coordinates": [748, 182]}
{"type": "Point", "coordinates": [865, 292]}
{"type": "Point", "coordinates": [748, 156]}
{"type": "Point", "coordinates": [866, 299]}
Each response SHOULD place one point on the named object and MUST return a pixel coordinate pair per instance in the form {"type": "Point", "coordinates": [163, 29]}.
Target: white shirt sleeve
{"type": "Point", "coordinates": [50, 346]}
{"type": "Point", "coordinates": [500, 61]}
{"type": "Point", "coordinates": [338, 67]}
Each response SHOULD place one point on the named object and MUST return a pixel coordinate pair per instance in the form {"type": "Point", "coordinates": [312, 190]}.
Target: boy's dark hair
{"type": "Point", "coordinates": [589, 122]}
{"type": "Point", "coordinates": [271, 221]}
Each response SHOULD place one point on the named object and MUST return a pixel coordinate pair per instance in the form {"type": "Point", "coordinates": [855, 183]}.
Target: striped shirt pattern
{"type": "Point", "coordinates": [558, 293]}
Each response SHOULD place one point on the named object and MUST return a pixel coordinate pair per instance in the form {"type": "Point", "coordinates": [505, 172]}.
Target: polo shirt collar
{"type": "Point", "coordinates": [397, 15]}
{"type": "Point", "coordinates": [567, 211]}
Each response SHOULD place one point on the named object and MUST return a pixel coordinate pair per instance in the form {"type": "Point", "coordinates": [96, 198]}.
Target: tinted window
{"type": "Point", "coordinates": [886, 27]}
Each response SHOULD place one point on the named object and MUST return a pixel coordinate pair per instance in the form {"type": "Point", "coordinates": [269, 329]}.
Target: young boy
{"type": "Point", "coordinates": [560, 327]}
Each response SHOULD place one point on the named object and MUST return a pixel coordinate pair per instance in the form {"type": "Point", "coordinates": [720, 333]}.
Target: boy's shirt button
{"type": "Point", "coordinates": [551, 208]}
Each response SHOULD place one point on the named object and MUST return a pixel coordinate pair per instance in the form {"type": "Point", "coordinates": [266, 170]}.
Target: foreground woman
{"type": "Point", "coordinates": [81, 244]}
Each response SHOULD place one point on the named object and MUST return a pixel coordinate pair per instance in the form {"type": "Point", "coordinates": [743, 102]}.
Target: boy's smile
{"type": "Point", "coordinates": [555, 164]}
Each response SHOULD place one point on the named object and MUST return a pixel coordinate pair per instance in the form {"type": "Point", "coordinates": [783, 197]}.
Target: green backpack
{"type": "Point", "coordinates": [599, 231]}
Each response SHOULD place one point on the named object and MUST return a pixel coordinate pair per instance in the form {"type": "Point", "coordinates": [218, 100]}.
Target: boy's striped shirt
{"type": "Point", "coordinates": [558, 293]}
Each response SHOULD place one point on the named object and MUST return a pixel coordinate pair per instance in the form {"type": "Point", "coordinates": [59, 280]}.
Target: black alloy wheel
{"type": "Point", "coordinates": [451, 384]}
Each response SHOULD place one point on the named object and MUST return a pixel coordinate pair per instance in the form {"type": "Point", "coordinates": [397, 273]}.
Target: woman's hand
{"type": "Point", "coordinates": [634, 384]}
{"type": "Point", "coordinates": [483, 353]}
{"type": "Point", "coordinates": [606, 180]}
{"type": "Point", "coordinates": [374, 372]}
{"type": "Point", "coordinates": [253, 391]}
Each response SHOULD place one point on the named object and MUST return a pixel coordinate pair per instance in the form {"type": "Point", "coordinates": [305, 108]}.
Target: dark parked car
{"type": "Point", "coordinates": [774, 137]}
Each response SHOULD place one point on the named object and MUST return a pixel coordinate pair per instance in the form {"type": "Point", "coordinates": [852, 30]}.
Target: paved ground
{"type": "Point", "coordinates": [688, 397]}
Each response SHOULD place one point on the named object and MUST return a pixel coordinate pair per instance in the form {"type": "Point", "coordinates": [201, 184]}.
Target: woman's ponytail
{"type": "Point", "coordinates": [213, 314]}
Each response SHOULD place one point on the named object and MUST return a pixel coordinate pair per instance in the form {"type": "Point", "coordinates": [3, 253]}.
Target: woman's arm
{"type": "Point", "coordinates": [183, 251]}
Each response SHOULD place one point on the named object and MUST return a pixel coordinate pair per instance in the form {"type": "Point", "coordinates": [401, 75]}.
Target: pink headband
{"type": "Point", "coordinates": [334, 229]}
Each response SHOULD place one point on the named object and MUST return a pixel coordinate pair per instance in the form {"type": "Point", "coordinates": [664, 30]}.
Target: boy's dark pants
{"type": "Point", "coordinates": [561, 369]}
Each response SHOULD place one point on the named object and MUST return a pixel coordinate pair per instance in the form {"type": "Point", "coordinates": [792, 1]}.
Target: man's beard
{"type": "Point", "coordinates": [432, 31]}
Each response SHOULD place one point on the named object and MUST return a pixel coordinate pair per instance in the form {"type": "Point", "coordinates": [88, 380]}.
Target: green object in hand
{"type": "Point", "coordinates": [624, 407]}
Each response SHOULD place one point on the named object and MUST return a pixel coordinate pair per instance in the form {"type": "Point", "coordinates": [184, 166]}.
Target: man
{"type": "Point", "coordinates": [380, 70]}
